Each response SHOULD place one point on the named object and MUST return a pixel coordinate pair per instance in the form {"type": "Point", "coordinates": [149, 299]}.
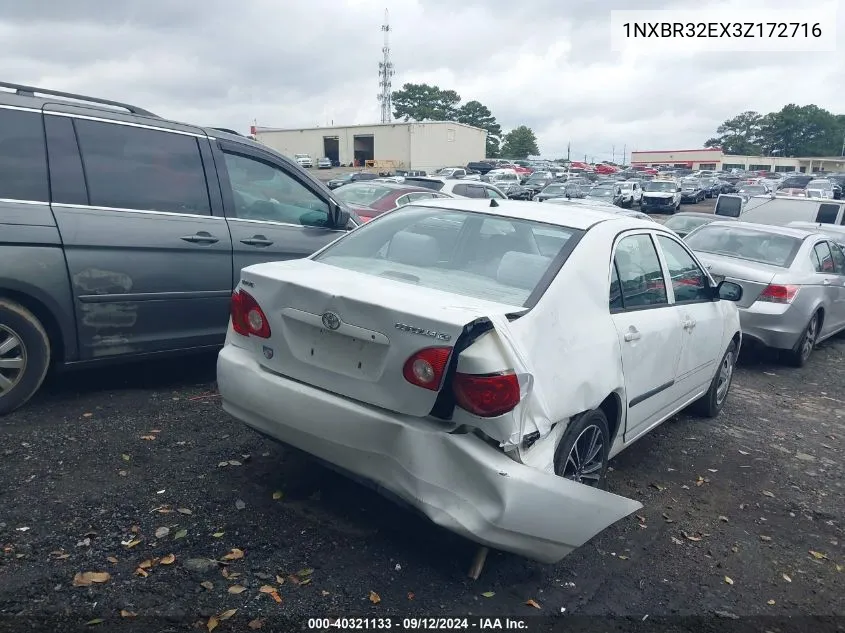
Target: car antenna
{"type": "Point", "coordinates": [493, 202]}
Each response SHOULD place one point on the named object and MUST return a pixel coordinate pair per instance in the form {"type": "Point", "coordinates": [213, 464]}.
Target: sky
{"type": "Point", "coordinates": [546, 64]}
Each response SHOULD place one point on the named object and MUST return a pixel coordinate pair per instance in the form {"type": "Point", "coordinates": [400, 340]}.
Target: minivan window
{"type": "Point", "coordinates": [134, 168]}
{"type": "Point", "coordinates": [23, 161]}
{"type": "Point", "coordinates": [729, 206]}
{"type": "Point", "coordinates": [827, 213]}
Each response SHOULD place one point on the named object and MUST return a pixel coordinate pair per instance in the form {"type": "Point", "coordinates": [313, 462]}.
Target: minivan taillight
{"type": "Point", "coordinates": [248, 319]}
{"type": "Point", "coordinates": [487, 395]}
{"type": "Point", "coordinates": [775, 293]}
{"type": "Point", "coordinates": [426, 367]}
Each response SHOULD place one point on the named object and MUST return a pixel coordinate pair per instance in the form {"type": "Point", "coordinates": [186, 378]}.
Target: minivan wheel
{"type": "Point", "coordinates": [710, 404]}
{"type": "Point", "coordinates": [24, 355]}
{"type": "Point", "coordinates": [800, 354]}
{"type": "Point", "coordinates": [583, 450]}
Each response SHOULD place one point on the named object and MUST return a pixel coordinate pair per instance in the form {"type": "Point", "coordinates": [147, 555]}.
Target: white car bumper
{"type": "Point", "coordinates": [457, 480]}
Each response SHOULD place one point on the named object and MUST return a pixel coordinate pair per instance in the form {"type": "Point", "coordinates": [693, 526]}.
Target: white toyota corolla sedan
{"type": "Point", "coordinates": [483, 360]}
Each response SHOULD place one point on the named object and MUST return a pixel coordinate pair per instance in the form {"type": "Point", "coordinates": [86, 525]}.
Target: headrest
{"type": "Point", "coordinates": [522, 270]}
{"type": "Point", "coordinates": [413, 249]}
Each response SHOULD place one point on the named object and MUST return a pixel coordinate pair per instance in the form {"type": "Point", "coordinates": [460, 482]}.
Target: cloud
{"type": "Point", "coordinates": [304, 63]}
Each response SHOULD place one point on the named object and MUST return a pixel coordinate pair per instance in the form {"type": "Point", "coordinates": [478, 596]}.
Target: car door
{"type": "Point", "coordinates": [273, 211]}
{"type": "Point", "coordinates": [831, 282]}
{"type": "Point", "coordinates": [649, 331]}
{"type": "Point", "coordinates": [146, 245]}
{"type": "Point", "coordinates": [839, 283]}
{"type": "Point", "coordinates": [701, 316]}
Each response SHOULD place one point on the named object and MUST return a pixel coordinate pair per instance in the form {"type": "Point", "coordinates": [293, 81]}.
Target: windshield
{"type": "Point", "coordinates": [689, 183]}
{"type": "Point", "coordinates": [749, 244]}
{"type": "Point", "coordinates": [362, 193]}
{"type": "Point", "coordinates": [601, 192]}
{"type": "Point", "coordinates": [685, 224]}
{"type": "Point", "coordinates": [486, 257]}
{"type": "Point", "coordinates": [819, 184]}
{"type": "Point", "coordinates": [656, 185]}
{"type": "Point", "coordinates": [555, 189]}
{"type": "Point", "coordinates": [504, 178]}
{"type": "Point", "coordinates": [753, 189]}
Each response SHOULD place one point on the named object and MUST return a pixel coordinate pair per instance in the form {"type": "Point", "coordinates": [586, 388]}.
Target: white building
{"type": "Point", "coordinates": [425, 146]}
{"type": "Point", "coordinates": [714, 158]}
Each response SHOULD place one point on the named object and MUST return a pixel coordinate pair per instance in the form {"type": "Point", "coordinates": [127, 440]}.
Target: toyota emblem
{"type": "Point", "coordinates": [331, 320]}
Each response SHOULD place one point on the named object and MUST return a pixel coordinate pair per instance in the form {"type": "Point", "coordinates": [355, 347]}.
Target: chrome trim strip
{"type": "Point", "coordinates": [273, 223]}
{"type": "Point", "coordinates": [13, 201]}
{"type": "Point", "coordinates": [154, 296]}
{"type": "Point", "coordinates": [3, 106]}
{"type": "Point", "coordinates": [126, 123]}
{"type": "Point", "coordinates": [87, 207]}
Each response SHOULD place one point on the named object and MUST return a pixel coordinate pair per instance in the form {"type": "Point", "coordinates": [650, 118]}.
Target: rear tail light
{"type": "Point", "coordinates": [487, 395]}
{"type": "Point", "coordinates": [778, 294]}
{"type": "Point", "coordinates": [248, 319]}
{"type": "Point", "coordinates": [426, 368]}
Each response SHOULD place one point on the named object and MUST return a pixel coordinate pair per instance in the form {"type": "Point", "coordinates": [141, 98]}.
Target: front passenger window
{"type": "Point", "coordinates": [640, 274]}
{"type": "Point", "coordinates": [689, 282]}
{"type": "Point", "coordinates": [838, 258]}
{"type": "Point", "coordinates": [262, 191]}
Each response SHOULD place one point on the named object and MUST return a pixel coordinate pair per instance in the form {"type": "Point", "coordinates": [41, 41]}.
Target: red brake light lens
{"type": "Point", "coordinates": [248, 319]}
{"type": "Point", "coordinates": [487, 396]}
{"type": "Point", "coordinates": [778, 294]}
{"type": "Point", "coordinates": [426, 368]}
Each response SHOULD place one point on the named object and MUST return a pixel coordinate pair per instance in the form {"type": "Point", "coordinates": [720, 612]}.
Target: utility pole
{"type": "Point", "coordinates": [568, 144]}
{"type": "Point", "coordinates": [385, 72]}
{"type": "Point", "coordinates": [624, 151]}
{"type": "Point", "coordinates": [843, 146]}
{"type": "Point", "coordinates": [613, 154]}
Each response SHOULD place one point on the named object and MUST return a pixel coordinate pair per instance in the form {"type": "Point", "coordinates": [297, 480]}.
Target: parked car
{"type": "Point", "coordinates": [459, 188]}
{"type": "Point", "coordinates": [632, 193]}
{"type": "Point", "coordinates": [781, 210]}
{"type": "Point", "coordinates": [661, 196]}
{"type": "Point", "coordinates": [608, 193]}
{"type": "Point", "coordinates": [510, 183]}
{"type": "Point", "coordinates": [794, 185]}
{"type": "Point", "coordinates": [747, 190]}
{"type": "Point", "coordinates": [687, 221]}
{"type": "Point", "coordinates": [560, 190]}
{"type": "Point", "coordinates": [372, 198]}
{"type": "Point", "coordinates": [820, 188]}
{"type": "Point", "coordinates": [304, 160]}
{"type": "Point", "coordinates": [324, 163]}
{"type": "Point", "coordinates": [537, 181]}
{"type": "Point", "coordinates": [437, 372]}
{"type": "Point", "coordinates": [691, 191]}
{"type": "Point", "coordinates": [793, 282]}
{"type": "Point", "coordinates": [834, 231]}
{"type": "Point", "coordinates": [450, 172]}
{"type": "Point", "coordinates": [481, 166]}
{"type": "Point", "coordinates": [593, 203]}
{"type": "Point", "coordinates": [357, 176]}
{"type": "Point", "coordinates": [124, 233]}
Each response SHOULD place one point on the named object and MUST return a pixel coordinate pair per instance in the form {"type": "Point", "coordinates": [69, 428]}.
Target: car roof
{"type": "Point", "coordinates": [818, 227]}
{"type": "Point", "coordinates": [586, 217]}
{"type": "Point", "coordinates": [788, 231]}
{"type": "Point", "coordinates": [697, 214]}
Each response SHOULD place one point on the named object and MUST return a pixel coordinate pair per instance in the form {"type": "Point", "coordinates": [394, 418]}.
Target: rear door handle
{"type": "Point", "coordinates": [632, 335]}
{"type": "Point", "coordinates": [201, 237]}
{"type": "Point", "coordinates": [257, 240]}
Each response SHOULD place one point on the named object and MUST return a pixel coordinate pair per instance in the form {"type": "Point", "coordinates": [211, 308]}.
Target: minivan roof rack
{"type": "Point", "coordinates": [31, 91]}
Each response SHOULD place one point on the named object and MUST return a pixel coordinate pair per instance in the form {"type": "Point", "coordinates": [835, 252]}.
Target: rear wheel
{"type": "Point", "coordinates": [582, 453]}
{"type": "Point", "coordinates": [800, 354]}
{"type": "Point", "coordinates": [24, 355]}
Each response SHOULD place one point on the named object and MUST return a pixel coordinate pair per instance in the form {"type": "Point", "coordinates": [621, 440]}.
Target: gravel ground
{"type": "Point", "coordinates": [120, 469]}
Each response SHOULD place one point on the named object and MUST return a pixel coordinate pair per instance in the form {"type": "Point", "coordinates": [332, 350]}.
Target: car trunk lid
{"type": "Point", "coordinates": [351, 333]}
{"type": "Point", "coordinates": [754, 277]}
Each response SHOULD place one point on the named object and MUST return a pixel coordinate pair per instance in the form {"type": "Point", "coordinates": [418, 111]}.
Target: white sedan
{"type": "Point", "coordinates": [482, 360]}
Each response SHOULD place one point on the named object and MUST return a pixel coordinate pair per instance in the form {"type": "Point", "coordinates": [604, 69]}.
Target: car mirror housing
{"type": "Point", "coordinates": [729, 291]}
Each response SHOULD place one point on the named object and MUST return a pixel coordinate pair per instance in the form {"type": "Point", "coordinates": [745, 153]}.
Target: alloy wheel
{"type": "Point", "coordinates": [12, 359]}
{"type": "Point", "coordinates": [723, 383]}
{"type": "Point", "coordinates": [809, 338]}
{"type": "Point", "coordinates": [586, 457]}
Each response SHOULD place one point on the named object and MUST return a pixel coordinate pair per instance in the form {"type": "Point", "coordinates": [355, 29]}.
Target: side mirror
{"type": "Point", "coordinates": [339, 215]}
{"type": "Point", "coordinates": [729, 291]}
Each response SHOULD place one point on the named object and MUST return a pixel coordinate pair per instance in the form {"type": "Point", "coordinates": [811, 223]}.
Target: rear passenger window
{"type": "Point", "coordinates": [460, 190]}
{"type": "Point", "coordinates": [824, 261]}
{"type": "Point", "coordinates": [827, 213]}
{"type": "Point", "coordinates": [492, 193]}
{"type": "Point", "coordinates": [474, 191]}
{"type": "Point", "coordinates": [135, 168]}
{"type": "Point", "coordinates": [23, 161]}
{"type": "Point", "coordinates": [640, 274]}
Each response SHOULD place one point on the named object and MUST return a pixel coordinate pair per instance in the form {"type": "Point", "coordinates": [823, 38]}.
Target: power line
{"type": "Point", "coordinates": [385, 72]}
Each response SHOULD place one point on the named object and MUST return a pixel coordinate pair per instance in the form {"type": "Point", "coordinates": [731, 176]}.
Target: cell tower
{"type": "Point", "coordinates": [385, 72]}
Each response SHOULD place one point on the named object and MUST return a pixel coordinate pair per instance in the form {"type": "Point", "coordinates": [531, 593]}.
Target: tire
{"type": "Point", "coordinates": [581, 431]}
{"type": "Point", "coordinates": [25, 348]}
{"type": "Point", "coordinates": [710, 404]}
{"type": "Point", "coordinates": [800, 354]}
{"type": "Point", "coordinates": [677, 208]}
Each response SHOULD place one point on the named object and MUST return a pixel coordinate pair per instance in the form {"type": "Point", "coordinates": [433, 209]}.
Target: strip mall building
{"type": "Point", "coordinates": [717, 160]}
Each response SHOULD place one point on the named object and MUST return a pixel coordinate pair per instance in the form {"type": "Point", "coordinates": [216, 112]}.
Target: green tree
{"type": "Point", "coordinates": [739, 135]}
{"type": "Point", "coordinates": [478, 115]}
{"type": "Point", "coordinates": [421, 102]}
{"type": "Point", "coordinates": [520, 143]}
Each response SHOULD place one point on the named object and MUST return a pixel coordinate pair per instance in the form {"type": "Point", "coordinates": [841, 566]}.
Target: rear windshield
{"type": "Point", "coordinates": [434, 185]}
{"type": "Point", "coordinates": [685, 224]}
{"type": "Point", "coordinates": [748, 244]}
{"type": "Point", "coordinates": [477, 255]}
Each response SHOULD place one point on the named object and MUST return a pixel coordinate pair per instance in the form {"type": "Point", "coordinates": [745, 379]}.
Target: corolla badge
{"type": "Point", "coordinates": [440, 336]}
{"type": "Point", "coordinates": [331, 320]}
